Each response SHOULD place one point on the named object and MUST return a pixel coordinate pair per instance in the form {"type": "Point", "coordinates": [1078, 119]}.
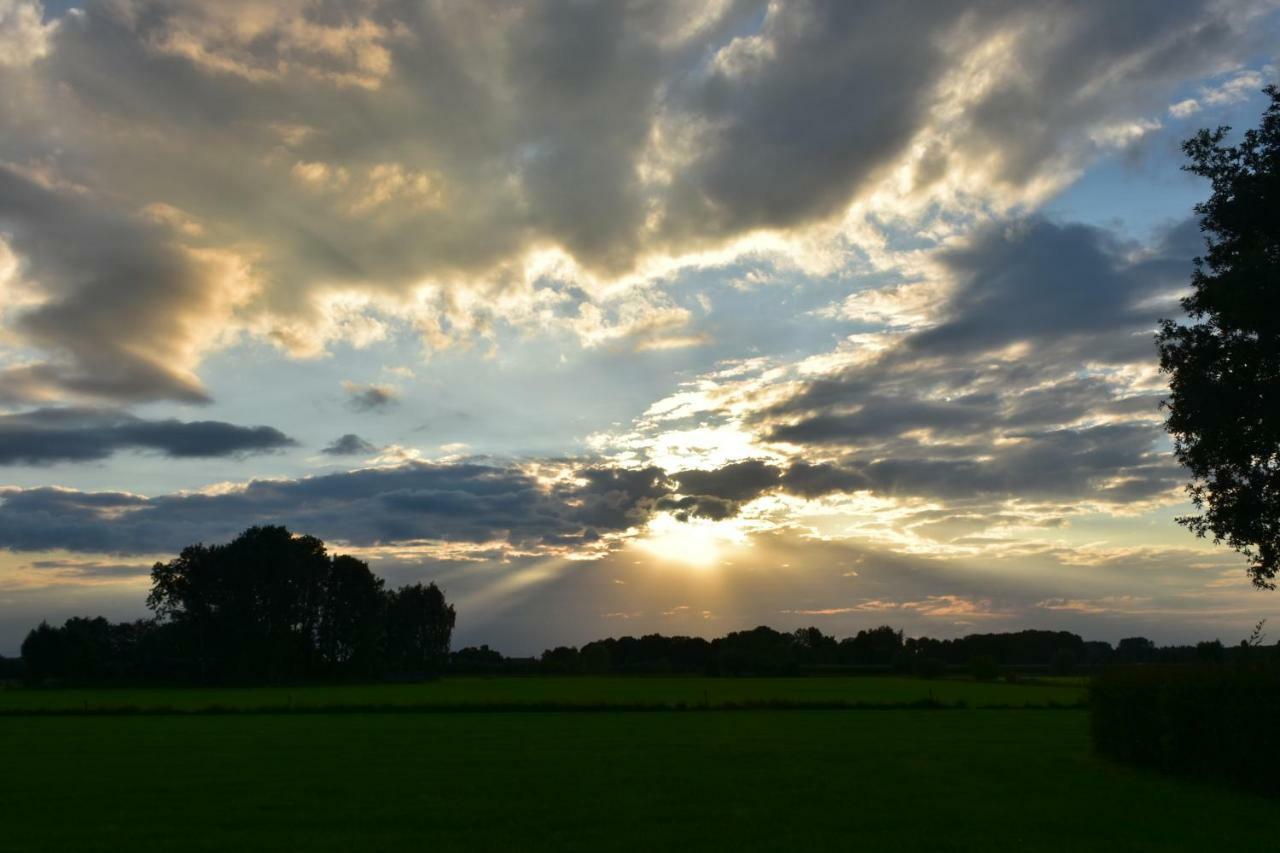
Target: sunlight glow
{"type": "Point", "coordinates": [697, 543]}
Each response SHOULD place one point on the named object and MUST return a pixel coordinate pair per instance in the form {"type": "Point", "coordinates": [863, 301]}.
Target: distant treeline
{"type": "Point", "coordinates": [268, 606]}
{"type": "Point", "coordinates": [271, 606]}
{"type": "Point", "coordinates": [765, 651]}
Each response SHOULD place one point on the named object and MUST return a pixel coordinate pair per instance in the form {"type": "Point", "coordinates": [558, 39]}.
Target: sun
{"type": "Point", "coordinates": [697, 543]}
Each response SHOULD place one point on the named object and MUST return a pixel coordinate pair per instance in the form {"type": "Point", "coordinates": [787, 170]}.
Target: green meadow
{"type": "Point", "coordinates": [506, 692]}
{"type": "Point", "coordinates": [717, 780]}
{"type": "Point", "coordinates": [478, 764]}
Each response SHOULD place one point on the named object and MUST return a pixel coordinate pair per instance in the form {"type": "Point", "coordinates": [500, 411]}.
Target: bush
{"type": "Point", "coordinates": [984, 668]}
{"type": "Point", "coordinates": [1063, 663]}
{"type": "Point", "coordinates": [927, 667]}
{"type": "Point", "coordinates": [1203, 721]}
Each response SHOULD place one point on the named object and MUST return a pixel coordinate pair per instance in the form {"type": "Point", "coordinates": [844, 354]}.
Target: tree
{"type": "Point", "coordinates": [1210, 651]}
{"type": "Point", "coordinates": [1224, 364]}
{"type": "Point", "coordinates": [984, 668]}
{"type": "Point", "coordinates": [878, 646]}
{"type": "Point", "coordinates": [1063, 662]}
{"type": "Point", "coordinates": [272, 605]}
{"type": "Point", "coordinates": [1135, 650]}
{"type": "Point", "coordinates": [419, 628]}
{"type": "Point", "coordinates": [351, 629]}
{"type": "Point", "coordinates": [252, 606]}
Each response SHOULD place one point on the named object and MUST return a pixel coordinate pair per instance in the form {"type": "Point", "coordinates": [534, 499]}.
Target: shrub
{"type": "Point", "coordinates": [1063, 663]}
{"type": "Point", "coordinates": [927, 667]}
{"type": "Point", "coordinates": [984, 668]}
{"type": "Point", "coordinates": [1204, 721]}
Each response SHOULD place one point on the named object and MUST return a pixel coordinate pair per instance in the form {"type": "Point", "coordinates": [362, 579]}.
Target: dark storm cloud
{"type": "Point", "coordinates": [469, 503]}
{"type": "Point", "coordinates": [383, 144]}
{"type": "Point", "coordinates": [1017, 389]}
{"type": "Point", "coordinates": [49, 436]}
{"type": "Point", "coordinates": [349, 444]}
{"type": "Point", "coordinates": [454, 502]}
{"type": "Point", "coordinates": [1051, 284]}
{"type": "Point", "coordinates": [719, 493]}
{"type": "Point", "coordinates": [737, 481]}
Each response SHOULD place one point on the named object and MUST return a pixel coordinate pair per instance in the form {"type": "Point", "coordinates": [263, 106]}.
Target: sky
{"type": "Point", "coordinates": [616, 318]}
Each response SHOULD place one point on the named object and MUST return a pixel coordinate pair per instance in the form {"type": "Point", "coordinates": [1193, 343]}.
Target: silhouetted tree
{"type": "Point", "coordinates": [252, 606]}
{"type": "Point", "coordinates": [985, 668]}
{"type": "Point", "coordinates": [1135, 650]}
{"type": "Point", "coordinates": [1211, 651]}
{"type": "Point", "coordinates": [419, 627]}
{"type": "Point", "coordinates": [561, 659]}
{"type": "Point", "coordinates": [1224, 366]}
{"type": "Point", "coordinates": [477, 659]}
{"type": "Point", "coordinates": [877, 647]}
{"type": "Point", "coordinates": [1063, 662]}
{"type": "Point", "coordinates": [42, 652]}
{"type": "Point", "coordinates": [351, 632]}
{"type": "Point", "coordinates": [815, 646]}
{"type": "Point", "coordinates": [760, 651]}
{"type": "Point", "coordinates": [273, 605]}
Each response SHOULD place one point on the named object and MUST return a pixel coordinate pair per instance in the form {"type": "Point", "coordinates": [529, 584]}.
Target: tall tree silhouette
{"type": "Point", "coordinates": [419, 627]}
{"type": "Point", "coordinates": [273, 605]}
{"type": "Point", "coordinates": [250, 607]}
{"type": "Point", "coordinates": [1224, 365]}
{"type": "Point", "coordinates": [352, 618]}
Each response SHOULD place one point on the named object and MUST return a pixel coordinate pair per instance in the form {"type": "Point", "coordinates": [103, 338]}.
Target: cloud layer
{"type": "Point", "coordinates": [173, 174]}
{"type": "Point", "coordinates": [48, 436]}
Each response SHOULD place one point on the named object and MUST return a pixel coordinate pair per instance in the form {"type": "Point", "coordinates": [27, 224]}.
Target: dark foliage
{"type": "Point", "coordinates": [1063, 662]}
{"type": "Point", "coordinates": [764, 651]}
{"type": "Point", "coordinates": [1224, 365]}
{"type": "Point", "coordinates": [268, 606]}
{"type": "Point", "coordinates": [1192, 720]}
{"type": "Point", "coordinates": [11, 669]}
{"type": "Point", "coordinates": [419, 623]}
{"type": "Point", "coordinates": [477, 660]}
{"type": "Point", "coordinates": [984, 668]}
{"type": "Point", "coordinates": [923, 666]}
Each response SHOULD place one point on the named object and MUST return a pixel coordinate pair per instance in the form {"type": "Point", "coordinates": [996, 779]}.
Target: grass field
{"type": "Point", "coordinates": [750, 780]}
{"type": "Point", "coordinates": [510, 691]}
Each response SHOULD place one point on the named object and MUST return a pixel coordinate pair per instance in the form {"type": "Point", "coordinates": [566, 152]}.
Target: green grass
{"type": "Point", "coordinates": [794, 780]}
{"type": "Point", "coordinates": [458, 692]}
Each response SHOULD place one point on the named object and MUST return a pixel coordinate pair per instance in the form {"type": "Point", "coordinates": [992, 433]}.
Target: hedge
{"type": "Point", "coordinates": [1211, 722]}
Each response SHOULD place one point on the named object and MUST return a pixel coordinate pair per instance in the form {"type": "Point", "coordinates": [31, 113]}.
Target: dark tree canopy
{"type": "Point", "coordinates": [273, 605]}
{"type": "Point", "coordinates": [268, 605]}
{"type": "Point", "coordinates": [1224, 362]}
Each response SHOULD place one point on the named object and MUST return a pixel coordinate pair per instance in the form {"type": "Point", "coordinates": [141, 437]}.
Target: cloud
{"type": "Point", "coordinates": [349, 444]}
{"type": "Point", "coordinates": [180, 174]}
{"type": "Point", "coordinates": [1236, 88]}
{"type": "Point", "coordinates": [371, 397]}
{"type": "Point", "coordinates": [24, 37]}
{"type": "Point", "coordinates": [466, 503]}
{"type": "Point", "coordinates": [92, 569]}
{"type": "Point", "coordinates": [548, 506]}
{"type": "Point", "coordinates": [50, 436]}
{"type": "Point", "coordinates": [1022, 398]}
{"type": "Point", "coordinates": [1035, 378]}
{"type": "Point", "coordinates": [126, 313]}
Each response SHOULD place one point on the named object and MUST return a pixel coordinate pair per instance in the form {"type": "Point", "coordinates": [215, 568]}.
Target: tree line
{"type": "Point", "coordinates": [271, 606]}
{"type": "Point", "coordinates": [765, 651]}
{"type": "Point", "coordinates": [267, 606]}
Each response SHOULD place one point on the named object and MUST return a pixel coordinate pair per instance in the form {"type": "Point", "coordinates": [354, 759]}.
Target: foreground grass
{"type": "Point", "coordinates": [470, 692]}
{"type": "Point", "coordinates": [798, 780]}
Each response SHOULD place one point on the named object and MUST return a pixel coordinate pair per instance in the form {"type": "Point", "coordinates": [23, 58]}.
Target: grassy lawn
{"type": "Point", "coordinates": [561, 691]}
{"type": "Point", "coordinates": [794, 780]}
